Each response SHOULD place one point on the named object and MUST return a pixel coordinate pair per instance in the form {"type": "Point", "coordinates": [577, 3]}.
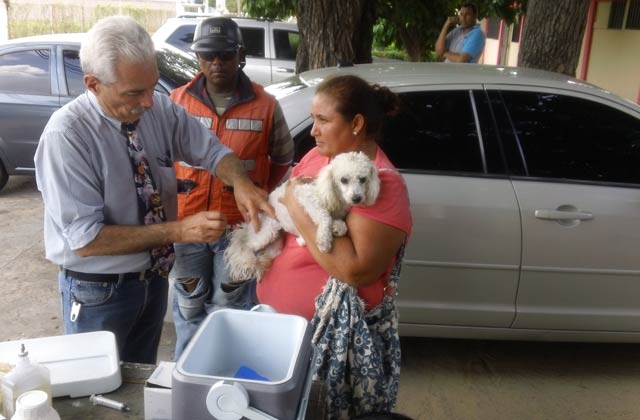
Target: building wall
{"type": "Point", "coordinates": [492, 48]}
{"type": "Point", "coordinates": [614, 57]}
{"type": "Point", "coordinates": [614, 60]}
{"type": "Point", "coordinates": [490, 55]}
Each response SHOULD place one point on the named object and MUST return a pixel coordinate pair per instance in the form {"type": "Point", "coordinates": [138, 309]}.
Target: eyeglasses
{"type": "Point", "coordinates": [222, 55]}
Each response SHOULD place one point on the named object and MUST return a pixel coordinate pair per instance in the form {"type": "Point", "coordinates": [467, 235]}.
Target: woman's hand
{"type": "Point", "coordinates": [360, 257]}
{"type": "Point", "coordinates": [288, 198]}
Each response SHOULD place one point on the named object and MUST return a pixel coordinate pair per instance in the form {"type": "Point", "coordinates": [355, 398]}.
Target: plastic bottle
{"type": "Point", "coordinates": [26, 376]}
{"type": "Point", "coordinates": [34, 405]}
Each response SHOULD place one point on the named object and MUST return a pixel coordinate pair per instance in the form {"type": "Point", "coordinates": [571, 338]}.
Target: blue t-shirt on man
{"type": "Point", "coordinates": [471, 42]}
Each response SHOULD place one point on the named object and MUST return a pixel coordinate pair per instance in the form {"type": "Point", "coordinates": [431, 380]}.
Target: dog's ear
{"type": "Point", "coordinates": [327, 190]}
{"type": "Point", "coordinates": [373, 187]}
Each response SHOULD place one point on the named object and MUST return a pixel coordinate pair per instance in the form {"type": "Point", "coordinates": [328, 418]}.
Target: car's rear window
{"type": "Point", "coordinates": [182, 37]}
{"type": "Point", "coordinates": [176, 68]}
{"type": "Point", "coordinates": [26, 72]}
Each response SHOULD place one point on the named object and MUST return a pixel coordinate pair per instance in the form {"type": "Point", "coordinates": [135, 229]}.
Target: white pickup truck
{"type": "Point", "coordinates": [271, 45]}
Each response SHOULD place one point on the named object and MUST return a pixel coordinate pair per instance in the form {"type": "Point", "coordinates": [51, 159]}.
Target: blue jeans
{"type": "Point", "coordinates": [131, 309]}
{"type": "Point", "coordinates": [203, 263]}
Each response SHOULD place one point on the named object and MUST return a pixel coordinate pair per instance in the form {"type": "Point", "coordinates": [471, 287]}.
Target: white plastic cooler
{"type": "Point", "coordinates": [275, 347]}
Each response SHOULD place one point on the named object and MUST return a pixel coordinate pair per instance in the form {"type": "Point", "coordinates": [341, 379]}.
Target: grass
{"type": "Point", "coordinates": [26, 20]}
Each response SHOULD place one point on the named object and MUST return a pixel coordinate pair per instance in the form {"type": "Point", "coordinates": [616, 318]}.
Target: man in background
{"type": "Point", "coordinates": [250, 122]}
{"type": "Point", "coordinates": [465, 43]}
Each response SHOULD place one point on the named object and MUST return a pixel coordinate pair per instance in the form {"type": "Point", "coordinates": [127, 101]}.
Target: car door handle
{"type": "Point", "coordinates": [284, 70]}
{"type": "Point", "coordinates": [548, 214]}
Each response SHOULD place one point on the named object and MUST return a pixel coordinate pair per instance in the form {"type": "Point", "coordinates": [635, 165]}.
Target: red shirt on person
{"type": "Point", "coordinates": [295, 279]}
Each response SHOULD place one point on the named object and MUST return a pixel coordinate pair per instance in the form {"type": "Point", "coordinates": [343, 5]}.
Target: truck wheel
{"type": "Point", "coordinates": [4, 176]}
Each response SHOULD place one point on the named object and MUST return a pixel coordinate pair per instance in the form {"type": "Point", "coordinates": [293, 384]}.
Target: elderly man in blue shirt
{"type": "Point", "coordinates": [465, 43]}
{"type": "Point", "coordinates": [104, 167]}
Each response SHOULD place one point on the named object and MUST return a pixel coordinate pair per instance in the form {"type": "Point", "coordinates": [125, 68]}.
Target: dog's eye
{"type": "Point", "coordinates": [362, 179]}
{"type": "Point", "coordinates": [344, 180]}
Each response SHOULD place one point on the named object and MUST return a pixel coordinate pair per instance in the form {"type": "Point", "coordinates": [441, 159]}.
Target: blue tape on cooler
{"type": "Point", "coordinates": [245, 372]}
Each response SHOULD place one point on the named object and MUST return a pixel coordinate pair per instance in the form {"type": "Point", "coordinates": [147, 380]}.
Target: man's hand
{"type": "Point", "coordinates": [440, 47]}
{"type": "Point", "coordinates": [251, 201]}
{"type": "Point", "coordinates": [206, 226]}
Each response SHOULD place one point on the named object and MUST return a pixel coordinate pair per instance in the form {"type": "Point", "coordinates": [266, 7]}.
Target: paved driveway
{"type": "Point", "coordinates": [441, 379]}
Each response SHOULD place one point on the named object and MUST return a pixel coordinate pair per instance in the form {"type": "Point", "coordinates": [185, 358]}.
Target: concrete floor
{"type": "Point", "coordinates": [441, 379]}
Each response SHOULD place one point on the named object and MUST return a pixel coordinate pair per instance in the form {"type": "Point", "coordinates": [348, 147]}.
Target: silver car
{"type": "Point", "coordinates": [525, 196]}
{"type": "Point", "coordinates": [40, 74]}
{"type": "Point", "coordinates": [271, 46]}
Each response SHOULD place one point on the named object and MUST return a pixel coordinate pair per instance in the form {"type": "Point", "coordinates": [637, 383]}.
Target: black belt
{"type": "Point", "coordinates": [109, 278]}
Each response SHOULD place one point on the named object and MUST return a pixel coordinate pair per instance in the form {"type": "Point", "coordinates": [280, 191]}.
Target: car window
{"type": "Point", "coordinates": [572, 138]}
{"type": "Point", "coordinates": [253, 41]}
{"type": "Point", "coordinates": [182, 37]}
{"type": "Point", "coordinates": [73, 72]}
{"type": "Point", "coordinates": [286, 44]}
{"type": "Point", "coordinates": [435, 131]}
{"type": "Point", "coordinates": [176, 69]}
{"type": "Point", "coordinates": [25, 72]}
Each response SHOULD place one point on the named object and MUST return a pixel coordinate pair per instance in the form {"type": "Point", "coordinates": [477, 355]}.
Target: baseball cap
{"type": "Point", "coordinates": [217, 34]}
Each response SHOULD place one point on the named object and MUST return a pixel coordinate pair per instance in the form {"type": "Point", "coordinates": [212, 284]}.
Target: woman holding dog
{"type": "Point", "coordinates": [348, 115]}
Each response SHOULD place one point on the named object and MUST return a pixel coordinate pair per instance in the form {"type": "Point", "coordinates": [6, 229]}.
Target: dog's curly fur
{"type": "Point", "coordinates": [349, 179]}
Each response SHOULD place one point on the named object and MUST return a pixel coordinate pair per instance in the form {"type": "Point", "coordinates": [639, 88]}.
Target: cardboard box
{"type": "Point", "coordinates": [157, 393]}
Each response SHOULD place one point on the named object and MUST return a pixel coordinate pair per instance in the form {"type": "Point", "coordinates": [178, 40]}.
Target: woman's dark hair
{"type": "Point", "coordinates": [355, 96]}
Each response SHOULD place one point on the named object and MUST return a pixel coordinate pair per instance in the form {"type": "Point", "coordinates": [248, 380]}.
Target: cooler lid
{"type": "Point", "coordinates": [80, 364]}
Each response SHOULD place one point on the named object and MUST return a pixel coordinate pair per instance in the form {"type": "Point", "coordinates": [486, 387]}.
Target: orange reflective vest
{"type": "Point", "coordinates": [244, 128]}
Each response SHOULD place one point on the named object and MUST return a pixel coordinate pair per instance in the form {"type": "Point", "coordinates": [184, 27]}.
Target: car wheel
{"type": "Point", "coordinates": [4, 176]}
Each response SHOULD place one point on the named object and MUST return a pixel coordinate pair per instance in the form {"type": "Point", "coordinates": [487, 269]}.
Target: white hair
{"type": "Point", "coordinates": [112, 40]}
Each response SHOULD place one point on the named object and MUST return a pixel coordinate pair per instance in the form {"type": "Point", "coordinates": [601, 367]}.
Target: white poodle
{"type": "Point", "coordinates": [349, 179]}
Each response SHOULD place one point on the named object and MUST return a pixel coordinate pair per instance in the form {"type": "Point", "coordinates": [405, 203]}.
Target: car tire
{"type": "Point", "coordinates": [4, 176]}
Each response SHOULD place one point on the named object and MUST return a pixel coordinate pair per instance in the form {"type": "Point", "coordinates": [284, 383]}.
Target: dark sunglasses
{"type": "Point", "coordinates": [222, 55]}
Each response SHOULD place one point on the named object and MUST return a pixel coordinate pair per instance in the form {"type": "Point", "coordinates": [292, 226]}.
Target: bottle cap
{"type": "Point", "coordinates": [32, 405]}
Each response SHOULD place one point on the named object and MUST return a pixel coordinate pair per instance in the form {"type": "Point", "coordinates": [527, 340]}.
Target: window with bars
{"type": "Point", "coordinates": [633, 17]}
{"type": "Point", "coordinates": [616, 16]}
{"type": "Point", "coordinates": [493, 28]}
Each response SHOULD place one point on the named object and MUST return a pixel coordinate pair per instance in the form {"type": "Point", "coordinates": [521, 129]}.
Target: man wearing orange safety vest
{"type": "Point", "coordinates": [250, 122]}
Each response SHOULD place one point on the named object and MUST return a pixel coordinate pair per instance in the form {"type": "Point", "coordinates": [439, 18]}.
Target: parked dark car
{"type": "Point", "coordinates": [40, 74]}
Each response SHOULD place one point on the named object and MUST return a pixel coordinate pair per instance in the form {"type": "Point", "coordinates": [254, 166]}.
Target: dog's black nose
{"type": "Point", "coordinates": [356, 199]}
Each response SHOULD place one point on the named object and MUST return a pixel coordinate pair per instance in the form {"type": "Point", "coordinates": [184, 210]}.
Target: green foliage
{"type": "Point", "coordinates": [414, 25]}
{"type": "Point", "coordinates": [271, 9]}
{"type": "Point", "coordinates": [25, 20]}
{"type": "Point", "coordinates": [232, 6]}
{"type": "Point", "coordinates": [508, 10]}
{"type": "Point", "coordinates": [391, 53]}
{"type": "Point", "coordinates": [409, 25]}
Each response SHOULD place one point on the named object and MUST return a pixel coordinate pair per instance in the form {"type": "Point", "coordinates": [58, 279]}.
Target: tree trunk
{"type": "Point", "coordinates": [334, 31]}
{"type": "Point", "coordinates": [412, 44]}
{"type": "Point", "coordinates": [552, 35]}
